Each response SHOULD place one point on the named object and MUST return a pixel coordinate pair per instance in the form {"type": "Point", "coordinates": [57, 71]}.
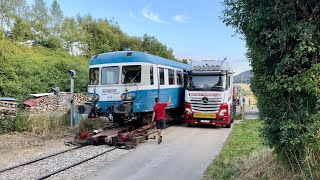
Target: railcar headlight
{"type": "Point", "coordinates": [93, 97]}
{"type": "Point", "coordinates": [130, 96]}
{"type": "Point", "coordinates": [123, 96]}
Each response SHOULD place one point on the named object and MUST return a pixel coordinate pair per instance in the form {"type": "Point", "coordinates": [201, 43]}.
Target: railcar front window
{"type": "Point", "coordinates": [131, 74]}
{"type": "Point", "coordinates": [94, 76]}
{"type": "Point", "coordinates": [110, 75]}
{"type": "Point", "coordinates": [205, 83]}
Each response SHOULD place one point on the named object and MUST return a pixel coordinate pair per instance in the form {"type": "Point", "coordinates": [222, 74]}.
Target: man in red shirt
{"type": "Point", "coordinates": [159, 114]}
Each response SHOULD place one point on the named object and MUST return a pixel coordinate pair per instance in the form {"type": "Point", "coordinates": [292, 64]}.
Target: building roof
{"type": "Point", "coordinates": [33, 101]}
{"type": "Point", "coordinates": [8, 99]}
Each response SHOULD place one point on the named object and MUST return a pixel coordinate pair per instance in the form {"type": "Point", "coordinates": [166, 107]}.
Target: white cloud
{"type": "Point", "coordinates": [181, 18]}
{"type": "Point", "coordinates": [152, 16]}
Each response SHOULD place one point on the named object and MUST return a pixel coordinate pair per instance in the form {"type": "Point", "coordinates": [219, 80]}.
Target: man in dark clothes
{"type": "Point", "coordinates": [159, 114]}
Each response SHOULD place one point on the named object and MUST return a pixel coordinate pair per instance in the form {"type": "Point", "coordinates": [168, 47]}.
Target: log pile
{"type": "Point", "coordinates": [8, 109]}
{"type": "Point", "coordinates": [56, 103]}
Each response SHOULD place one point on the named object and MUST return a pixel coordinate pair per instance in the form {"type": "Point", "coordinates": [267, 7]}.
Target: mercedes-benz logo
{"type": "Point", "coordinates": [205, 99]}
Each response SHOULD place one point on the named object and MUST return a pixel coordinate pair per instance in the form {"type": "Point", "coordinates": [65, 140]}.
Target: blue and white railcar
{"type": "Point", "coordinates": [125, 83]}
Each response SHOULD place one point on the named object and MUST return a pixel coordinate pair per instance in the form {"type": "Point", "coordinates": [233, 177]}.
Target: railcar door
{"type": "Point", "coordinates": [163, 91]}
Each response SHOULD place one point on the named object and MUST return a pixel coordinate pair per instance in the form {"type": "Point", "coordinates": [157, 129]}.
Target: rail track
{"type": "Point", "coordinates": [38, 159]}
{"type": "Point", "coordinates": [75, 164]}
{"type": "Point", "coordinates": [134, 134]}
{"type": "Point", "coordinates": [142, 133]}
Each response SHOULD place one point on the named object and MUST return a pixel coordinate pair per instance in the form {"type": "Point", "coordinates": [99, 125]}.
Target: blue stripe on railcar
{"type": "Point", "coordinates": [145, 98]}
{"type": "Point", "coordinates": [144, 101]}
{"type": "Point", "coordinates": [121, 57]}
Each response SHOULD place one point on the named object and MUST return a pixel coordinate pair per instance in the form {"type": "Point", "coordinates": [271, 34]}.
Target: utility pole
{"type": "Point", "coordinates": [72, 76]}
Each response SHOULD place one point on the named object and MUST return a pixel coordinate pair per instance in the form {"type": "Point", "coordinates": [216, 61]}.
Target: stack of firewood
{"type": "Point", "coordinates": [60, 102]}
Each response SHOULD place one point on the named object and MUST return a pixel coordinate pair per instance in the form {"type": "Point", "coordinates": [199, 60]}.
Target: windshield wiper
{"type": "Point", "coordinates": [216, 88]}
{"type": "Point", "coordinates": [196, 88]}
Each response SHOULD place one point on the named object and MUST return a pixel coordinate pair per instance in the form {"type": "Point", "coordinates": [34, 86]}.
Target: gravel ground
{"type": "Point", "coordinates": [54, 163]}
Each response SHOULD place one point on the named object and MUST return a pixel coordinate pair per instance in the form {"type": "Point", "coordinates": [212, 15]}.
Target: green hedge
{"type": "Point", "coordinates": [26, 70]}
{"type": "Point", "coordinates": [283, 40]}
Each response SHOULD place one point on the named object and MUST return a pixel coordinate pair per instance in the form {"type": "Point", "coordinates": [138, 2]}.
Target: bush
{"type": "Point", "coordinates": [26, 70]}
{"type": "Point", "coordinates": [283, 40]}
{"type": "Point", "coordinates": [19, 123]}
{"type": "Point", "coordinates": [46, 125]}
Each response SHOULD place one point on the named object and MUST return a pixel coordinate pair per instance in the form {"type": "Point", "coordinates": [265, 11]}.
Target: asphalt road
{"type": "Point", "coordinates": [251, 113]}
{"type": "Point", "coordinates": [184, 154]}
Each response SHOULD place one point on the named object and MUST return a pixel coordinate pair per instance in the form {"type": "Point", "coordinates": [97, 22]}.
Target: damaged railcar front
{"type": "Point", "coordinates": [123, 85]}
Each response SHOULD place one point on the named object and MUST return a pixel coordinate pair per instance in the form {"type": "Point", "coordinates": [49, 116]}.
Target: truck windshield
{"type": "Point", "coordinates": [206, 83]}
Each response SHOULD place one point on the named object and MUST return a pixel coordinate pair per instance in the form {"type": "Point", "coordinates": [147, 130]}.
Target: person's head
{"type": "Point", "coordinates": [156, 100]}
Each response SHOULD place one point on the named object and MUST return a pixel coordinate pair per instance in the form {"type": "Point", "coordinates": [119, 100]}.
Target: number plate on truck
{"type": "Point", "coordinates": [205, 121]}
{"type": "Point", "coordinates": [204, 115]}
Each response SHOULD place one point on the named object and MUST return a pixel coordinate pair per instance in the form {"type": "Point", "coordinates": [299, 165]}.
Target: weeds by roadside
{"type": "Point", "coordinates": [245, 157]}
{"type": "Point", "coordinates": [89, 125]}
{"type": "Point", "coordinates": [43, 125]}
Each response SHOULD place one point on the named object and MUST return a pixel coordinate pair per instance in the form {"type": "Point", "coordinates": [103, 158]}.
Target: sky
{"type": "Point", "coordinates": [193, 29]}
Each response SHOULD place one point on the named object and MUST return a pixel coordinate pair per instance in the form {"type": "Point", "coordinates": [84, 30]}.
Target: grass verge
{"type": "Point", "coordinates": [243, 141]}
{"type": "Point", "coordinates": [245, 157]}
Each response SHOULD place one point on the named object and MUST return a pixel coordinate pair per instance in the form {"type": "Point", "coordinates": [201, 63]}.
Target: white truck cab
{"type": "Point", "coordinates": [209, 93]}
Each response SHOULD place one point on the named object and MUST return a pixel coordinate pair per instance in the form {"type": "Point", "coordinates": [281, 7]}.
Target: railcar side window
{"type": "Point", "coordinates": [179, 77]}
{"type": "Point", "coordinates": [131, 74]}
{"type": "Point", "coordinates": [110, 75]}
{"type": "Point", "coordinates": [151, 75]}
{"type": "Point", "coordinates": [171, 76]}
{"type": "Point", "coordinates": [161, 72]}
{"type": "Point", "coordinates": [94, 76]}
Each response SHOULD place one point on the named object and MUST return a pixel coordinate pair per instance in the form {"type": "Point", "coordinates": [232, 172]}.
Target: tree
{"type": "Point", "coordinates": [21, 30]}
{"type": "Point", "coordinates": [153, 46]}
{"type": "Point", "coordinates": [56, 17]}
{"type": "Point", "coordinates": [185, 61]}
{"type": "Point", "coordinates": [283, 46]}
{"type": "Point", "coordinates": [9, 9]}
{"type": "Point", "coordinates": [40, 20]}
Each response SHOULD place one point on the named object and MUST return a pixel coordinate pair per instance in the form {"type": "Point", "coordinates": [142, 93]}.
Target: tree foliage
{"type": "Point", "coordinates": [27, 70]}
{"type": "Point", "coordinates": [58, 44]}
{"type": "Point", "coordinates": [9, 9]}
{"type": "Point", "coordinates": [79, 35]}
{"type": "Point", "coordinates": [283, 40]}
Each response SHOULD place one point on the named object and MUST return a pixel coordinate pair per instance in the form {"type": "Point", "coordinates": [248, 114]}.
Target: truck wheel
{"type": "Point", "coordinates": [228, 125]}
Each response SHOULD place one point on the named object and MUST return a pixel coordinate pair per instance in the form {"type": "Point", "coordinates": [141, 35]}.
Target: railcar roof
{"type": "Point", "coordinates": [121, 57]}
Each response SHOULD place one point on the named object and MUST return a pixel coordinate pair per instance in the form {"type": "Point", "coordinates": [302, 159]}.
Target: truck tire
{"type": "Point", "coordinates": [228, 125]}
{"type": "Point", "coordinates": [234, 109]}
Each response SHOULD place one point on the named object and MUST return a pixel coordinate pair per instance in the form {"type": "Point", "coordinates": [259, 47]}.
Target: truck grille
{"type": "Point", "coordinates": [212, 106]}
